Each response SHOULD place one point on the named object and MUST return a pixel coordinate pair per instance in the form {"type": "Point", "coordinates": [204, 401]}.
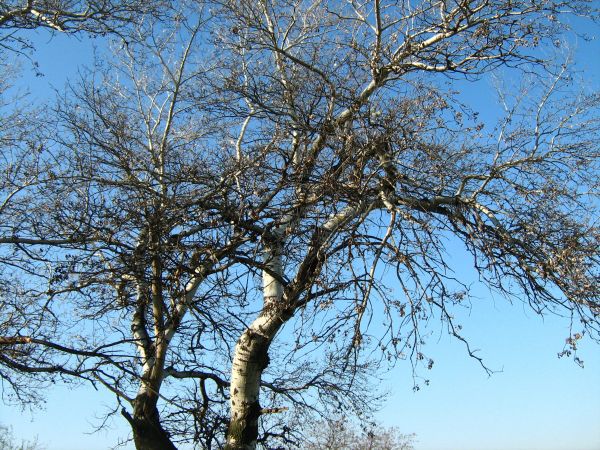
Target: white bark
{"type": "Point", "coordinates": [250, 360]}
{"type": "Point", "coordinates": [273, 273]}
{"type": "Point", "coordinates": [251, 352]}
{"type": "Point", "coordinates": [251, 356]}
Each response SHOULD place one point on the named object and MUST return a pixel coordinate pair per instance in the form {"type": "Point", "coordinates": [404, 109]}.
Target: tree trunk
{"type": "Point", "coordinates": [148, 434]}
{"type": "Point", "coordinates": [250, 360]}
{"type": "Point", "coordinates": [251, 355]}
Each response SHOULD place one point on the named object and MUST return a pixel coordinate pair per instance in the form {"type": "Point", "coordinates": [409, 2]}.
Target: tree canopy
{"type": "Point", "coordinates": [210, 222]}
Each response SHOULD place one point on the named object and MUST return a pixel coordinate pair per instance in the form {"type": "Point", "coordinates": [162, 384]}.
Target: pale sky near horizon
{"type": "Point", "coordinates": [535, 401]}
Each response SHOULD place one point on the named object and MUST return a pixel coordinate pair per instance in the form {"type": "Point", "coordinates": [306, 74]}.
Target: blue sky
{"type": "Point", "coordinates": [534, 401]}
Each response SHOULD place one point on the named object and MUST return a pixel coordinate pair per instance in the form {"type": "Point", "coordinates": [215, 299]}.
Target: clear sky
{"type": "Point", "coordinates": [535, 401]}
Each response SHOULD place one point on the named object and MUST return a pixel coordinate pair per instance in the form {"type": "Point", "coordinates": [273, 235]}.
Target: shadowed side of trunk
{"type": "Point", "coordinates": [148, 434]}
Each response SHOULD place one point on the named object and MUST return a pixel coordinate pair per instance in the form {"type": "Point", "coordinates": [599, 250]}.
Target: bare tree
{"type": "Point", "coordinates": [23, 170]}
{"type": "Point", "coordinates": [130, 223]}
{"type": "Point", "coordinates": [372, 166]}
{"type": "Point", "coordinates": [99, 235]}
{"type": "Point", "coordinates": [270, 171]}
{"type": "Point", "coordinates": [7, 441]}
{"type": "Point", "coordinates": [71, 16]}
{"type": "Point", "coordinates": [340, 434]}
